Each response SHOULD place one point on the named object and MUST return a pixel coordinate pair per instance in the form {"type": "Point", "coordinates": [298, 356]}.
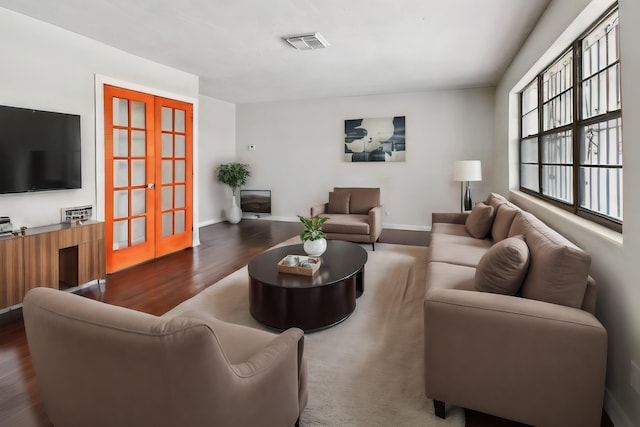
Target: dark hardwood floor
{"type": "Point", "coordinates": [156, 287]}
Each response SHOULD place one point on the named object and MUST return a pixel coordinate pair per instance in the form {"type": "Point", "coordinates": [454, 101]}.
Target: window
{"type": "Point", "coordinates": [571, 128]}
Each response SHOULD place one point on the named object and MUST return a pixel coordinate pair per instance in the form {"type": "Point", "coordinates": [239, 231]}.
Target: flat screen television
{"type": "Point", "coordinates": [39, 150]}
{"type": "Point", "coordinates": [255, 203]}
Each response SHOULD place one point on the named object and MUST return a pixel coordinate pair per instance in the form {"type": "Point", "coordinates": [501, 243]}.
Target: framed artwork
{"type": "Point", "coordinates": [379, 139]}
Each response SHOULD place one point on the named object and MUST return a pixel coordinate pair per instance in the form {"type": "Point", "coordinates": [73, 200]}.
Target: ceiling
{"type": "Point", "coordinates": [376, 46]}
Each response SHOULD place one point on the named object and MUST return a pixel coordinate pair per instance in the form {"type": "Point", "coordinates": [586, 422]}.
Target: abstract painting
{"type": "Point", "coordinates": [375, 140]}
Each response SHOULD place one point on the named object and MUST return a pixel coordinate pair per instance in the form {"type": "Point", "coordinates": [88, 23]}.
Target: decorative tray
{"type": "Point", "coordinates": [299, 264]}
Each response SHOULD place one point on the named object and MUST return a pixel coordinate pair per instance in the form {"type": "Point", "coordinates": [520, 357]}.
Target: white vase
{"type": "Point", "coordinates": [234, 213]}
{"type": "Point", "coordinates": [315, 247]}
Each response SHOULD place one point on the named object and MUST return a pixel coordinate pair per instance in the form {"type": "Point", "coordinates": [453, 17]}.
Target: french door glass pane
{"type": "Point", "coordinates": [120, 112]}
{"type": "Point", "coordinates": [138, 145]}
{"type": "Point", "coordinates": [180, 171]}
{"type": "Point", "coordinates": [167, 197]}
{"type": "Point", "coordinates": [601, 190]}
{"type": "Point", "coordinates": [167, 145]}
{"type": "Point", "coordinates": [529, 177]}
{"type": "Point", "coordinates": [137, 114]}
{"type": "Point", "coordinates": [167, 171]}
{"type": "Point", "coordinates": [167, 118]}
{"type": "Point", "coordinates": [167, 224]}
{"type": "Point", "coordinates": [138, 231]}
{"type": "Point", "coordinates": [180, 146]}
{"type": "Point", "coordinates": [557, 182]}
{"type": "Point", "coordinates": [179, 222]}
{"type": "Point", "coordinates": [120, 143]}
{"type": "Point", "coordinates": [180, 121]}
{"type": "Point", "coordinates": [120, 204]}
{"type": "Point", "coordinates": [120, 234]}
{"type": "Point", "coordinates": [138, 172]}
{"type": "Point", "coordinates": [138, 201]}
{"type": "Point", "coordinates": [180, 195]}
{"type": "Point", "coordinates": [120, 173]}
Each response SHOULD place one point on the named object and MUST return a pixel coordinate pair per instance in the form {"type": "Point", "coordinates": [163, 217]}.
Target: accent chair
{"type": "Point", "coordinates": [355, 214]}
{"type": "Point", "coordinates": [101, 365]}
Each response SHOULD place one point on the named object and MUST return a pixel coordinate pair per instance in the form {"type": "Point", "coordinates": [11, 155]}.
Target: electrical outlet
{"type": "Point", "coordinates": [635, 377]}
{"type": "Point", "coordinates": [387, 213]}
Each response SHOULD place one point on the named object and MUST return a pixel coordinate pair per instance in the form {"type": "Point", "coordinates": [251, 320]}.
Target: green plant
{"type": "Point", "coordinates": [233, 174]}
{"type": "Point", "coordinates": [312, 227]}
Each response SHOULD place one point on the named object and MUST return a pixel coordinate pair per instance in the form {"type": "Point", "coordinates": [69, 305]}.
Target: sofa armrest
{"type": "Point", "coordinates": [449, 217]}
{"type": "Point", "coordinates": [523, 359]}
{"type": "Point", "coordinates": [276, 352]}
{"type": "Point", "coordinates": [375, 223]}
{"type": "Point", "coordinates": [319, 209]}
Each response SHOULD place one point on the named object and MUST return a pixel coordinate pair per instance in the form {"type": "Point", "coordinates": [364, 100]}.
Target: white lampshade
{"type": "Point", "coordinates": [467, 170]}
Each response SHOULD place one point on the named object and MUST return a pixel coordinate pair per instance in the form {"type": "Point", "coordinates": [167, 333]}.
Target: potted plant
{"type": "Point", "coordinates": [234, 175]}
{"type": "Point", "coordinates": [315, 242]}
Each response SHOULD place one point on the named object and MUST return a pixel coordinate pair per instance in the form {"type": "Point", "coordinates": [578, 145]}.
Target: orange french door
{"type": "Point", "coordinates": [175, 171]}
{"type": "Point", "coordinates": [148, 176]}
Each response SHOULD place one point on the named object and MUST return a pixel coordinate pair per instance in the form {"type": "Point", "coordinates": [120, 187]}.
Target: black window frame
{"type": "Point", "coordinates": [575, 126]}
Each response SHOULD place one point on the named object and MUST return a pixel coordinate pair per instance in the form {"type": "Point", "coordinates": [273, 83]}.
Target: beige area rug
{"type": "Point", "coordinates": [368, 370]}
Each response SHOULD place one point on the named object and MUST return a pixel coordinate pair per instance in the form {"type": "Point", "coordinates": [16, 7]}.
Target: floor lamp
{"type": "Point", "coordinates": [466, 171]}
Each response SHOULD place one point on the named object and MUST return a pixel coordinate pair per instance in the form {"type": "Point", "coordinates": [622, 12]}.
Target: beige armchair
{"type": "Point", "coordinates": [102, 365]}
{"type": "Point", "coordinates": [354, 215]}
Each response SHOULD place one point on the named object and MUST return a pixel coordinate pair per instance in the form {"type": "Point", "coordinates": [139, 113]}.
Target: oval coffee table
{"type": "Point", "coordinates": [283, 300]}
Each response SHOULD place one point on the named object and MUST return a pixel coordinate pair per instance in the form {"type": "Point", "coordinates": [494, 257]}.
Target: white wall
{"type": "Point", "coordinates": [300, 149]}
{"type": "Point", "coordinates": [217, 145]}
{"type": "Point", "coordinates": [48, 68]}
{"type": "Point", "coordinates": [614, 264]}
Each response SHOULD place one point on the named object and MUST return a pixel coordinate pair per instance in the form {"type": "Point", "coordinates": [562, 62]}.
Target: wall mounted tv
{"type": "Point", "coordinates": [39, 150]}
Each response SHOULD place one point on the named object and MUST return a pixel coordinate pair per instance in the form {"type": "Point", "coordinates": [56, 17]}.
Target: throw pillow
{"type": "Point", "coordinates": [503, 267]}
{"type": "Point", "coordinates": [505, 214]}
{"type": "Point", "coordinates": [558, 269]}
{"type": "Point", "coordinates": [479, 221]}
{"type": "Point", "coordinates": [338, 202]}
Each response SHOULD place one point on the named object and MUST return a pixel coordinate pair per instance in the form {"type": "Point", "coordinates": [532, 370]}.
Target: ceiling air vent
{"type": "Point", "coordinates": [307, 41]}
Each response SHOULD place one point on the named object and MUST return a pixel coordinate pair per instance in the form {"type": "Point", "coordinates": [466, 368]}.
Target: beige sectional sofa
{"type": "Point", "coordinates": [509, 320]}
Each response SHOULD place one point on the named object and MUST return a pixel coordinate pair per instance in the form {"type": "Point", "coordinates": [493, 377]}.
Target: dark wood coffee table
{"type": "Point", "coordinates": [283, 300]}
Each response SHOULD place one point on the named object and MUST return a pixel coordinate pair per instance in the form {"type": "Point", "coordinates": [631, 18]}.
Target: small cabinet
{"type": "Point", "coordinates": [11, 272]}
{"type": "Point", "coordinates": [59, 256]}
{"type": "Point", "coordinates": [41, 261]}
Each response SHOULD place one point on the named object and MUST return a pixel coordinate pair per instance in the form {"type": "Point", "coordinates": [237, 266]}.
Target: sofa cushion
{"type": "Point", "coordinates": [362, 198]}
{"type": "Point", "coordinates": [447, 228]}
{"type": "Point", "coordinates": [346, 224]}
{"type": "Point", "coordinates": [338, 202]}
{"type": "Point", "coordinates": [558, 269]}
{"type": "Point", "coordinates": [502, 223]}
{"type": "Point", "coordinates": [460, 254]}
{"type": "Point", "coordinates": [441, 275]}
{"type": "Point", "coordinates": [443, 239]}
{"type": "Point", "coordinates": [495, 200]}
{"type": "Point", "coordinates": [479, 221]}
{"type": "Point", "coordinates": [502, 268]}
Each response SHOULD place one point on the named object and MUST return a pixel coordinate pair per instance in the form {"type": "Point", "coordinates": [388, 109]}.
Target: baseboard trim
{"type": "Point", "coordinates": [209, 222]}
{"type": "Point", "coordinates": [406, 227]}
{"type": "Point", "coordinates": [616, 413]}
